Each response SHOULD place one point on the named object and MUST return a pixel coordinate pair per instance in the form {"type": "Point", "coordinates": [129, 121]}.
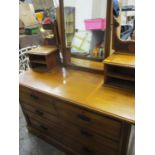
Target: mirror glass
{"type": "Point", "coordinates": [85, 24]}
{"type": "Point", "coordinates": [37, 22]}
{"type": "Point", "coordinates": [127, 20]}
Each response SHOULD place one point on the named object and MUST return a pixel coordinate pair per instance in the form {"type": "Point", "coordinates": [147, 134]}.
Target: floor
{"type": "Point", "coordinates": [32, 145]}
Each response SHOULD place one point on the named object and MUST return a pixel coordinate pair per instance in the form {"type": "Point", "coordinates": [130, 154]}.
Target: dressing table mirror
{"type": "Point", "coordinates": [84, 33]}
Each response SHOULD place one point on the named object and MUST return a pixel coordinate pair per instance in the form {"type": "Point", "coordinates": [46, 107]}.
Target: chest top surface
{"type": "Point", "coordinates": [126, 60]}
{"type": "Point", "coordinates": [82, 88]}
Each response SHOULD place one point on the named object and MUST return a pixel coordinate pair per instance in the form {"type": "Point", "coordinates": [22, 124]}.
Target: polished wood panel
{"type": "Point", "coordinates": [67, 84]}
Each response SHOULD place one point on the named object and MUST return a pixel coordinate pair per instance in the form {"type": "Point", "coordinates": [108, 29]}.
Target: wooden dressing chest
{"type": "Point", "coordinates": [72, 110]}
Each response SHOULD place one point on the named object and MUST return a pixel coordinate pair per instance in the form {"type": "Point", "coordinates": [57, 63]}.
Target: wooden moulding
{"type": "Point", "coordinates": [120, 45]}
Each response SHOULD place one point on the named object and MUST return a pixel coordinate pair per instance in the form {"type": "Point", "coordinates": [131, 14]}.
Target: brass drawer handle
{"type": "Point", "coordinates": [83, 117]}
{"type": "Point", "coordinates": [34, 97]}
{"type": "Point", "coordinates": [38, 112]}
{"type": "Point", "coordinates": [87, 150]}
{"type": "Point", "coordinates": [85, 133]}
{"type": "Point", "coordinates": [43, 127]}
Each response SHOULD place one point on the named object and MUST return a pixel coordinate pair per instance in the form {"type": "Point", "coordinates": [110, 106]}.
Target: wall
{"type": "Point", "coordinates": [71, 3]}
{"type": "Point", "coordinates": [128, 13]}
{"type": "Point", "coordinates": [99, 9]}
{"type": "Point", "coordinates": [83, 11]}
{"type": "Point", "coordinates": [87, 9]}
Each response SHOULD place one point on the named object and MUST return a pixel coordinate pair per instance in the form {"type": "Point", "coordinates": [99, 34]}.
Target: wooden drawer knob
{"type": "Point", "coordinates": [86, 134]}
{"type": "Point", "coordinates": [83, 117]}
{"type": "Point", "coordinates": [87, 151]}
{"type": "Point", "coordinates": [38, 112]}
{"type": "Point", "coordinates": [43, 127]}
{"type": "Point", "coordinates": [34, 96]}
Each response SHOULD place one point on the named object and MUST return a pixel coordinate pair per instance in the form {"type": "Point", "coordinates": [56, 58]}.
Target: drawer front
{"type": "Point", "coordinates": [73, 146]}
{"type": "Point", "coordinates": [39, 113]}
{"type": "Point", "coordinates": [87, 150]}
{"type": "Point", "coordinates": [102, 125]}
{"type": "Point", "coordinates": [46, 128]}
{"type": "Point", "coordinates": [37, 99]}
{"type": "Point", "coordinates": [54, 142]}
{"type": "Point", "coordinates": [88, 137]}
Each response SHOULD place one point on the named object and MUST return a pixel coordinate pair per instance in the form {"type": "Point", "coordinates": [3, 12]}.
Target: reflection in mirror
{"type": "Point", "coordinates": [128, 20]}
{"type": "Point", "coordinates": [123, 32]}
{"type": "Point", "coordinates": [85, 24]}
{"type": "Point", "coordinates": [38, 23]}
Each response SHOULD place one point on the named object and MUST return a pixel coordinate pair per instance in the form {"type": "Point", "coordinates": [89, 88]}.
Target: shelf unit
{"type": "Point", "coordinates": [43, 58]}
{"type": "Point", "coordinates": [46, 57]}
{"type": "Point", "coordinates": [119, 71]}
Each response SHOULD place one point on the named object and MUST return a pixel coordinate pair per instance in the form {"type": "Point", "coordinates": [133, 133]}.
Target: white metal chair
{"type": "Point", "coordinates": [23, 59]}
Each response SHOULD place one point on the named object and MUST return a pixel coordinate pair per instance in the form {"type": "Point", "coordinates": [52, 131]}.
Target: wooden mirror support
{"type": "Point", "coordinates": [118, 44]}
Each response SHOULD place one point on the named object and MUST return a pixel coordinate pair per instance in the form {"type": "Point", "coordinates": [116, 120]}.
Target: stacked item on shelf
{"type": "Point", "coordinates": [69, 14]}
{"type": "Point", "coordinates": [95, 24]}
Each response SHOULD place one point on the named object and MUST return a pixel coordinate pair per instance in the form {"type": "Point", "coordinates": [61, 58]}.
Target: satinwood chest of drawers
{"type": "Point", "coordinates": [75, 112]}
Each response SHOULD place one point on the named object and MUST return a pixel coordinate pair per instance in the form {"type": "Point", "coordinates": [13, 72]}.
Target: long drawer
{"type": "Point", "coordinates": [84, 149]}
{"type": "Point", "coordinates": [102, 125]}
{"type": "Point", "coordinates": [67, 140]}
{"type": "Point", "coordinates": [88, 137]}
{"type": "Point", "coordinates": [37, 99]}
{"type": "Point", "coordinates": [48, 129]}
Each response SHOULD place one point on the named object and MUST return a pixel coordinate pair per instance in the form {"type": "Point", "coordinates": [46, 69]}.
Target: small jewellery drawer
{"type": "Point", "coordinates": [102, 125]}
{"type": "Point", "coordinates": [37, 99]}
